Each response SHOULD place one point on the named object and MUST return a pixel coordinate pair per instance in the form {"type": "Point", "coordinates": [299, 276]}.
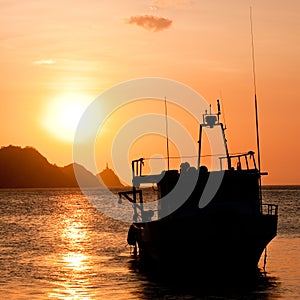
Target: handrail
{"type": "Point", "coordinates": [269, 209]}
{"type": "Point", "coordinates": [246, 155]}
{"type": "Point", "coordinates": [137, 167]}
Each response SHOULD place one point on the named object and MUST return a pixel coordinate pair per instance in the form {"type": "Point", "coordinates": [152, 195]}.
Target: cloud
{"type": "Point", "coordinates": [151, 23]}
{"type": "Point", "coordinates": [44, 62]}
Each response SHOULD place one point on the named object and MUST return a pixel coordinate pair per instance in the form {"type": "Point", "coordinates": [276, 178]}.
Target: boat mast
{"type": "Point", "coordinates": [167, 133]}
{"type": "Point", "coordinates": [255, 102]}
{"type": "Point", "coordinates": [254, 84]}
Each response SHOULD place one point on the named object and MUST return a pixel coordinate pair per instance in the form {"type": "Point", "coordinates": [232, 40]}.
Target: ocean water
{"type": "Point", "coordinates": [55, 245]}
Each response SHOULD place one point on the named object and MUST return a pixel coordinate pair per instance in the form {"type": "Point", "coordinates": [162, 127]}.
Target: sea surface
{"type": "Point", "coordinates": [55, 245]}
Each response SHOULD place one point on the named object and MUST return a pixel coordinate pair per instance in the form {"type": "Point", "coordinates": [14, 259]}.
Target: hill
{"type": "Point", "coordinates": [27, 168]}
{"type": "Point", "coordinates": [109, 178]}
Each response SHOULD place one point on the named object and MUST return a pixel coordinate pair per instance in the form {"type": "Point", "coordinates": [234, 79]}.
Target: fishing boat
{"type": "Point", "coordinates": [205, 220]}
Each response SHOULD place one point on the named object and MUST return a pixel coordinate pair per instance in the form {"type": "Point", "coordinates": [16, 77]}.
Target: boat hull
{"type": "Point", "coordinates": [231, 243]}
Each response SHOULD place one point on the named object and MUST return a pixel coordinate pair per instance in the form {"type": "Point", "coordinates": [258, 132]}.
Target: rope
{"type": "Point", "coordinates": [265, 260]}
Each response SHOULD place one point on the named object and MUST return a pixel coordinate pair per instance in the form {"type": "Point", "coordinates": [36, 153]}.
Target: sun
{"type": "Point", "coordinates": [62, 114]}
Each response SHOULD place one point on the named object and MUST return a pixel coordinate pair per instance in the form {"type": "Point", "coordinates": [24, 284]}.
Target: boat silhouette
{"type": "Point", "coordinates": [211, 221]}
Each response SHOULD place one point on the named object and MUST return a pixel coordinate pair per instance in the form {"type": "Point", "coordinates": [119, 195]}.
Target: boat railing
{"type": "Point", "coordinates": [137, 167]}
{"type": "Point", "coordinates": [242, 158]}
{"type": "Point", "coordinates": [269, 209]}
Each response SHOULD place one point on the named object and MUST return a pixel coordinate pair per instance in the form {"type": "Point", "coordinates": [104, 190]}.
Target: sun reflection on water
{"type": "Point", "coordinates": [74, 233]}
{"type": "Point", "coordinates": [75, 263]}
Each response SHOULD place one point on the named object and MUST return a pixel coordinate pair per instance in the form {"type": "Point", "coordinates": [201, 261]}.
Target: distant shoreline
{"type": "Point", "coordinates": [126, 187]}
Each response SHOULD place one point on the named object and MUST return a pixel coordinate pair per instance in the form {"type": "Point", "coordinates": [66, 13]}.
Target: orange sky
{"type": "Point", "coordinates": [55, 54]}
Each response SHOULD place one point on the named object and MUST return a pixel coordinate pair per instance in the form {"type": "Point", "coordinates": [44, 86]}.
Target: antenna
{"type": "Point", "coordinates": [254, 84]}
{"type": "Point", "coordinates": [255, 100]}
{"type": "Point", "coordinates": [219, 109]}
{"type": "Point", "coordinates": [223, 111]}
{"type": "Point", "coordinates": [167, 133]}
